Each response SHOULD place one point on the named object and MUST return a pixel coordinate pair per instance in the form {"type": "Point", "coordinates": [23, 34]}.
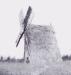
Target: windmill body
{"type": "Point", "coordinates": [42, 45]}
{"type": "Point", "coordinates": [40, 42]}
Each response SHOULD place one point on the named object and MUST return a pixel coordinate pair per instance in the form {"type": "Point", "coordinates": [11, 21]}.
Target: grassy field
{"type": "Point", "coordinates": [62, 68]}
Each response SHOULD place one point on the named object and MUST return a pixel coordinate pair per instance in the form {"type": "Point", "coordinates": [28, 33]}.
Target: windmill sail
{"type": "Point", "coordinates": [27, 18]}
{"type": "Point", "coordinates": [25, 22]}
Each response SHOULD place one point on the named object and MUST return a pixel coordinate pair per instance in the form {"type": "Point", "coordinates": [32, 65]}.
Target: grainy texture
{"type": "Point", "coordinates": [62, 68]}
{"type": "Point", "coordinates": [41, 44]}
{"type": "Point", "coordinates": [42, 50]}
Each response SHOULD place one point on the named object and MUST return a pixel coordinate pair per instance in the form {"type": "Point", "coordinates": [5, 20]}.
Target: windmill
{"type": "Point", "coordinates": [24, 32]}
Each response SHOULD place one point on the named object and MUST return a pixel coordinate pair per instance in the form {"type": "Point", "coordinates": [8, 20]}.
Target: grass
{"type": "Point", "coordinates": [62, 68]}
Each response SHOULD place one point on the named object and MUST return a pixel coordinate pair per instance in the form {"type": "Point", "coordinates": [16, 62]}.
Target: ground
{"type": "Point", "coordinates": [61, 68]}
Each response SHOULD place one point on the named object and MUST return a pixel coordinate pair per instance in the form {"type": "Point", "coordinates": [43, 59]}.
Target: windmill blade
{"type": "Point", "coordinates": [19, 38]}
{"type": "Point", "coordinates": [25, 22]}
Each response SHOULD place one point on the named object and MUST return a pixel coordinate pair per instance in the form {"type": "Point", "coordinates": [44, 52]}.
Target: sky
{"type": "Point", "coordinates": [45, 12]}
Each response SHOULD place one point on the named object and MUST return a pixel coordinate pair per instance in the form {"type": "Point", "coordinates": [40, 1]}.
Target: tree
{"type": "Point", "coordinates": [1, 59]}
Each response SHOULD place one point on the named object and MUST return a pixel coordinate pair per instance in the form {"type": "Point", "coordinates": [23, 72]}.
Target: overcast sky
{"type": "Point", "coordinates": [57, 12]}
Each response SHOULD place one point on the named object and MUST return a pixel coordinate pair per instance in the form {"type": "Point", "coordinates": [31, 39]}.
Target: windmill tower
{"type": "Point", "coordinates": [40, 42]}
